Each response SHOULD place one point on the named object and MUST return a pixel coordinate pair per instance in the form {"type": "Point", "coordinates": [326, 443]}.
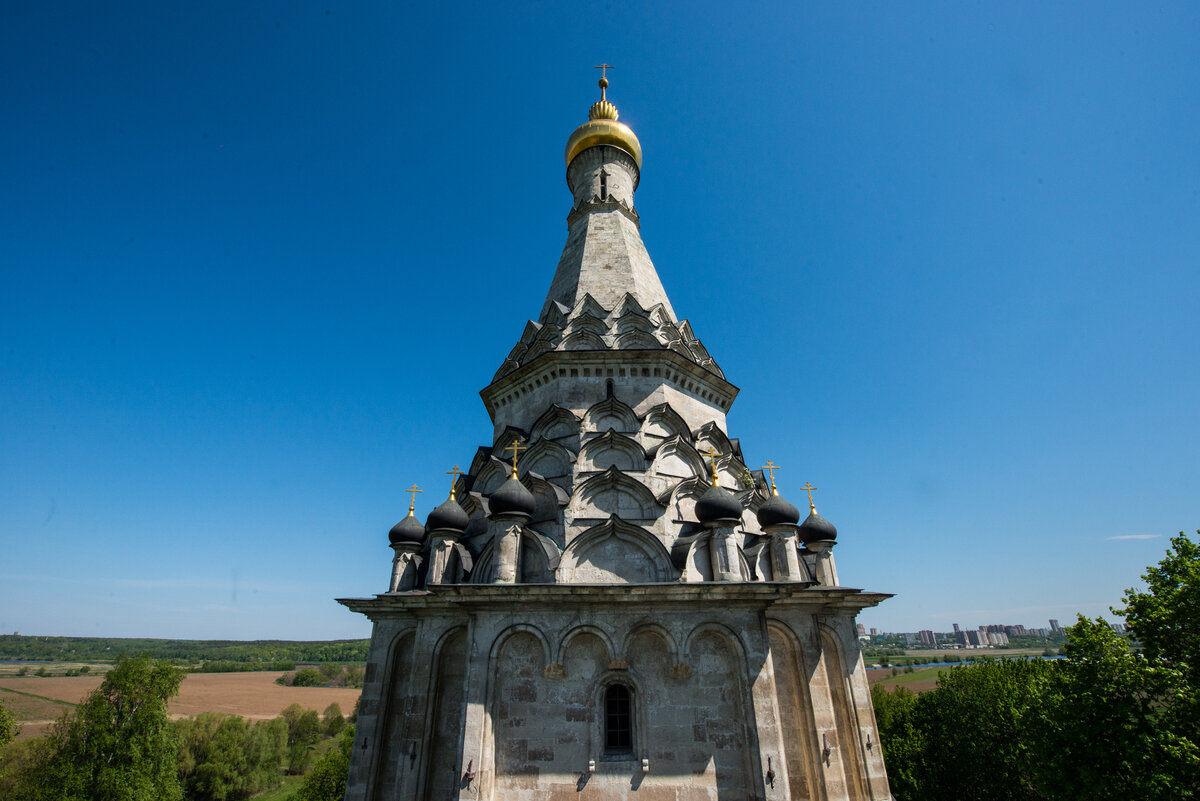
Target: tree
{"type": "Point", "coordinates": [902, 742]}
{"type": "Point", "coordinates": [1165, 618]}
{"type": "Point", "coordinates": [327, 780]}
{"type": "Point", "coordinates": [332, 720]}
{"type": "Point", "coordinates": [118, 745]}
{"type": "Point", "coordinates": [304, 730]}
{"type": "Point", "coordinates": [8, 726]}
{"type": "Point", "coordinates": [225, 758]}
{"type": "Point", "coordinates": [1103, 733]}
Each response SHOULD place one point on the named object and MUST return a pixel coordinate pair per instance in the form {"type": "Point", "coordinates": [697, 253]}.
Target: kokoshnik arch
{"type": "Point", "coordinates": [612, 604]}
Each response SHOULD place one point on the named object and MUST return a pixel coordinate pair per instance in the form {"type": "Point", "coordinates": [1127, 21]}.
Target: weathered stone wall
{"type": "Point", "coordinates": [518, 698]}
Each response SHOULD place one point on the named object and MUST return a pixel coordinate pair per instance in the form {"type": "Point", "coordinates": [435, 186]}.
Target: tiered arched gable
{"type": "Point", "coordinates": [676, 457]}
{"type": "Point", "coordinates": [583, 340]}
{"type": "Point", "coordinates": [614, 493]}
{"type": "Point", "coordinates": [556, 423]}
{"type": "Point", "coordinates": [547, 458]}
{"type": "Point", "coordinates": [611, 413]}
{"type": "Point", "coordinates": [616, 552]}
{"type": "Point", "coordinates": [663, 422]}
{"type": "Point", "coordinates": [611, 449]}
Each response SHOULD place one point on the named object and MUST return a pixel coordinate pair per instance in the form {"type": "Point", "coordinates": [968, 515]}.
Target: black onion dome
{"type": "Point", "coordinates": [718, 504]}
{"type": "Point", "coordinates": [511, 499]}
{"type": "Point", "coordinates": [447, 517]}
{"type": "Point", "coordinates": [407, 530]}
{"type": "Point", "coordinates": [776, 510]}
{"type": "Point", "coordinates": [816, 529]}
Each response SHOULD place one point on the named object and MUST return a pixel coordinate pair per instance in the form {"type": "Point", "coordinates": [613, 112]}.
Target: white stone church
{"type": "Point", "coordinates": [612, 604]}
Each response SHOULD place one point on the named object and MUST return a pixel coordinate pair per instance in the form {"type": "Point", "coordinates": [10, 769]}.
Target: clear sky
{"type": "Point", "coordinates": [258, 259]}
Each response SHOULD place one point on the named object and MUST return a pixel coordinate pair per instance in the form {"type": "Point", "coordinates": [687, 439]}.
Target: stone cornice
{"type": "Point", "coordinates": [722, 393]}
{"type": "Point", "coordinates": [444, 598]}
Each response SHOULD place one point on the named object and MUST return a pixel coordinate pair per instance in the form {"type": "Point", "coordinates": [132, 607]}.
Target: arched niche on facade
{"type": "Point", "coordinates": [677, 458]}
{"type": "Point", "coordinates": [539, 558]}
{"type": "Point", "coordinates": [587, 324]}
{"type": "Point", "coordinates": [505, 438]}
{"type": "Point", "coordinates": [615, 552]}
{"type": "Point", "coordinates": [583, 340]}
{"type": "Point", "coordinates": [556, 423]}
{"type": "Point", "coordinates": [847, 743]}
{"type": "Point", "coordinates": [634, 652]}
{"type": "Point", "coordinates": [549, 498]}
{"type": "Point", "coordinates": [614, 493]}
{"type": "Point", "coordinates": [661, 423]}
{"type": "Point", "coordinates": [491, 475]}
{"type": "Point", "coordinates": [547, 458]}
{"type": "Point", "coordinates": [575, 635]}
{"type": "Point", "coordinates": [443, 758]}
{"type": "Point", "coordinates": [611, 413]}
{"type": "Point", "coordinates": [636, 340]}
{"type": "Point", "coordinates": [681, 498]}
{"type": "Point", "coordinates": [711, 436]}
{"type": "Point", "coordinates": [632, 321]}
{"type": "Point", "coordinates": [611, 449]}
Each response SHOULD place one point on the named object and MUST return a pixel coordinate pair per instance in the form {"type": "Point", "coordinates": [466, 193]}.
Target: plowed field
{"type": "Point", "coordinates": [255, 696]}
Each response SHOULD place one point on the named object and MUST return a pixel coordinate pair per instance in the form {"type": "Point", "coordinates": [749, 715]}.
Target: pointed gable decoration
{"type": "Point", "coordinates": [616, 552]}
{"type": "Point", "coordinates": [611, 449]}
{"type": "Point", "coordinates": [614, 493]}
{"type": "Point", "coordinates": [611, 413]}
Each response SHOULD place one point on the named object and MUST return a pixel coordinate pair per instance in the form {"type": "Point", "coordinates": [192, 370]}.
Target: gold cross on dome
{"type": "Point", "coordinates": [412, 503]}
{"type": "Point", "coordinates": [604, 68]}
{"type": "Point", "coordinates": [771, 467]}
{"type": "Point", "coordinates": [516, 448]}
{"type": "Point", "coordinates": [809, 487]}
{"type": "Point", "coordinates": [712, 454]}
{"type": "Point", "coordinates": [454, 474]}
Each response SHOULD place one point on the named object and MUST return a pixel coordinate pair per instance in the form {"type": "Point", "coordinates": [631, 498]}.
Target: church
{"type": "Point", "coordinates": [611, 603]}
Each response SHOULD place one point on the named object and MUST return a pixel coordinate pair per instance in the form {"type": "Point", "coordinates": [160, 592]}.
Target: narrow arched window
{"type": "Point", "coordinates": [618, 719]}
{"type": "Point", "coordinates": [603, 185]}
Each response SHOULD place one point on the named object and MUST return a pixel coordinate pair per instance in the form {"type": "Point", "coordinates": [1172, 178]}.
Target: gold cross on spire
{"type": "Point", "coordinates": [604, 68]}
{"type": "Point", "coordinates": [771, 467]}
{"type": "Point", "coordinates": [712, 453]}
{"type": "Point", "coordinates": [516, 448]}
{"type": "Point", "coordinates": [809, 487]}
{"type": "Point", "coordinates": [454, 474]}
{"type": "Point", "coordinates": [412, 503]}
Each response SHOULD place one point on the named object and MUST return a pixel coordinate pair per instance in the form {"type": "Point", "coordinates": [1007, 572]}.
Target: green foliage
{"type": "Point", "coordinates": [308, 677]}
{"type": "Point", "coordinates": [224, 666]}
{"type": "Point", "coordinates": [327, 780]}
{"type": "Point", "coordinates": [1105, 723]}
{"type": "Point", "coordinates": [224, 758]}
{"type": "Point", "coordinates": [902, 741]}
{"type": "Point", "coordinates": [118, 745]}
{"type": "Point", "coordinates": [332, 720]}
{"type": "Point", "coordinates": [1165, 618]}
{"type": "Point", "coordinates": [17, 762]}
{"type": "Point", "coordinates": [188, 652]}
{"type": "Point", "coordinates": [304, 731]}
{"type": "Point", "coordinates": [8, 726]}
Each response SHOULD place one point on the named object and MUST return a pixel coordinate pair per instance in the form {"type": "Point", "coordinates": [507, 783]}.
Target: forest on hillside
{"type": "Point", "coordinates": [180, 652]}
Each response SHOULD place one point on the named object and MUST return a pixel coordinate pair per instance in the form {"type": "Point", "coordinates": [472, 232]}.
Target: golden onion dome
{"type": "Point", "coordinates": [602, 128]}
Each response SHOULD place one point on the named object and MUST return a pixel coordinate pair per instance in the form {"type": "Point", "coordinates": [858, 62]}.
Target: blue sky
{"type": "Point", "coordinates": [259, 259]}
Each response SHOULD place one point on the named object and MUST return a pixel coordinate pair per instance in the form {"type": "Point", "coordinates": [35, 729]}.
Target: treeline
{"type": "Point", "coordinates": [1114, 719]}
{"type": "Point", "coordinates": [119, 743]}
{"type": "Point", "coordinates": [181, 652]}
{"type": "Point", "coordinates": [327, 674]}
{"type": "Point", "coordinates": [243, 667]}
